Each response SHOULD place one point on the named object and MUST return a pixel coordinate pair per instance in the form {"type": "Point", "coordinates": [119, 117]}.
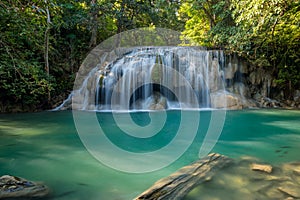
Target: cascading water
{"type": "Point", "coordinates": [148, 78]}
{"type": "Point", "coordinates": [142, 74]}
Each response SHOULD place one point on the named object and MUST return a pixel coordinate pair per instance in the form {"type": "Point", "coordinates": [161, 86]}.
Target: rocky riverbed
{"type": "Point", "coordinates": [221, 178]}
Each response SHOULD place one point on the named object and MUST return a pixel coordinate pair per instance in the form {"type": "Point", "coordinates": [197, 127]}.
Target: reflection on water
{"type": "Point", "coordinates": [45, 147]}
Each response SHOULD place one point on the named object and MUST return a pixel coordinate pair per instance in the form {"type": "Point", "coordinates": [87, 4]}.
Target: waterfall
{"type": "Point", "coordinates": [139, 78]}
{"type": "Point", "coordinates": [152, 78]}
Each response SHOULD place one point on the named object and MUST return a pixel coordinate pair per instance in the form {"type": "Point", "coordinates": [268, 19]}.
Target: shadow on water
{"type": "Point", "coordinates": [37, 134]}
{"type": "Point", "coordinates": [45, 147]}
{"type": "Point", "coordinates": [39, 146]}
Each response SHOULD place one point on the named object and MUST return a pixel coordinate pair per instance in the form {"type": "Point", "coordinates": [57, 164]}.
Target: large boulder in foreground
{"type": "Point", "coordinates": [219, 177]}
{"type": "Point", "coordinates": [12, 187]}
{"type": "Point", "coordinates": [178, 184]}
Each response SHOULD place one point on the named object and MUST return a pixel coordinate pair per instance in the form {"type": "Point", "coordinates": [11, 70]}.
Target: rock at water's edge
{"type": "Point", "coordinates": [12, 187]}
{"type": "Point", "coordinates": [178, 184]}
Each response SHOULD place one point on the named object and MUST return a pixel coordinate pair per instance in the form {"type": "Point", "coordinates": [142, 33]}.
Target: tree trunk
{"type": "Point", "coordinates": [94, 23]}
{"type": "Point", "coordinates": [46, 53]}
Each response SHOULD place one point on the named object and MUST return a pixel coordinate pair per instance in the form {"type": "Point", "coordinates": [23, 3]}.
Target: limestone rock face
{"type": "Point", "coordinates": [222, 100]}
{"type": "Point", "coordinates": [244, 68]}
{"type": "Point", "coordinates": [155, 102]}
{"type": "Point", "coordinates": [214, 81]}
{"type": "Point", "coordinates": [230, 70]}
{"type": "Point", "coordinates": [12, 187]}
{"type": "Point", "coordinates": [157, 71]}
{"type": "Point", "coordinates": [207, 72]}
{"type": "Point", "coordinates": [158, 102]}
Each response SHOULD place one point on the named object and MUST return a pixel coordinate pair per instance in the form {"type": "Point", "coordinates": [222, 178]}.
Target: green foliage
{"type": "Point", "coordinates": [196, 26]}
{"type": "Point", "coordinates": [264, 32]}
{"type": "Point", "coordinates": [272, 33]}
{"type": "Point", "coordinates": [208, 23]}
{"type": "Point", "coordinates": [76, 26]}
{"type": "Point", "coordinates": [164, 14]}
{"type": "Point", "coordinates": [23, 78]}
{"type": "Point", "coordinates": [23, 82]}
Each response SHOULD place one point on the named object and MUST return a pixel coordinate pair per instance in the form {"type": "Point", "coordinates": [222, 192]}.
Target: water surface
{"type": "Point", "coordinates": [46, 147]}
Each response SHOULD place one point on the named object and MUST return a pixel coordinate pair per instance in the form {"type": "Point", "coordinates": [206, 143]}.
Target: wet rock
{"type": "Point", "coordinates": [236, 181]}
{"type": "Point", "coordinates": [15, 187]}
{"type": "Point", "coordinates": [290, 189]}
{"type": "Point", "coordinates": [214, 74]}
{"type": "Point", "coordinates": [230, 70]}
{"type": "Point", "coordinates": [273, 193]}
{"type": "Point", "coordinates": [158, 102]}
{"type": "Point", "coordinates": [222, 99]}
{"type": "Point", "coordinates": [256, 76]}
{"type": "Point", "coordinates": [241, 89]}
{"type": "Point", "coordinates": [296, 172]}
{"type": "Point", "coordinates": [178, 184]}
{"type": "Point", "coordinates": [278, 178]}
{"type": "Point", "coordinates": [257, 97]}
{"type": "Point", "coordinates": [289, 198]}
{"type": "Point", "coordinates": [262, 168]}
{"type": "Point", "coordinates": [293, 167]}
{"type": "Point", "coordinates": [267, 102]}
{"type": "Point", "coordinates": [156, 73]}
{"type": "Point", "coordinates": [292, 170]}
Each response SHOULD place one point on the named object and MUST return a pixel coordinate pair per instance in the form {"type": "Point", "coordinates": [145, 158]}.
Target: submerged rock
{"type": "Point", "coordinates": [12, 187]}
{"type": "Point", "coordinates": [262, 168]}
{"type": "Point", "coordinates": [244, 178]}
{"type": "Point", "coordinates": [178, 184]}
{"type": "Point", "coordinates": [291, 189]}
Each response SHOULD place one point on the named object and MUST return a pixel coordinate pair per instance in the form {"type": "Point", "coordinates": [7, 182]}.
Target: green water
{"type": "Point", "coordinates": [46, 147]}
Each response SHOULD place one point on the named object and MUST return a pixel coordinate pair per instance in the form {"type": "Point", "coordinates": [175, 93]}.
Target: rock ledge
{"type": "Point", "coordinates": [178, 184]}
